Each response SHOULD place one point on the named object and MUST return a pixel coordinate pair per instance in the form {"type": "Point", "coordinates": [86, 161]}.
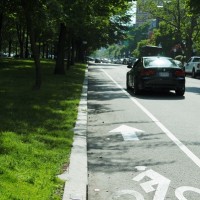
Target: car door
{"type": "Point", "coordinates": [196, 61]}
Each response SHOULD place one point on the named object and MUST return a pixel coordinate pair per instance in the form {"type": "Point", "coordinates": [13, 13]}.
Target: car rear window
{"type": "Point", "coordinates": [159, 62]}
{"type": "Point", "coordinates": [196, 60]}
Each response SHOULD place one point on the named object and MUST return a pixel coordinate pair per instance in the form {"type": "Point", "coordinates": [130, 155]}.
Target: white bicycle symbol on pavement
{"type": "Point", "coordinates": [158, 180]}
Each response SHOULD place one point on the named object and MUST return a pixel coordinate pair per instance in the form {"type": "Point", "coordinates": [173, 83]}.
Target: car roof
{"type": "Point", "coordinates": [156, 57]}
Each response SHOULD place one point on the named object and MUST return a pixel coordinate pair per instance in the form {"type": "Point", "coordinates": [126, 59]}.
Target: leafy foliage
{"type": "Point", "coordinates": [179, 25]}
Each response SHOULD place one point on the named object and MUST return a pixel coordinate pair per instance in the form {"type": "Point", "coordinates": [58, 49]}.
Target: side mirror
{"type": "Point", "coordinates": [129, 66]}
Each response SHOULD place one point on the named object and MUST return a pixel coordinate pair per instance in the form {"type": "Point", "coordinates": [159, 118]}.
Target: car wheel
{"type": "Point", "coordinates": [136, 88]}
{"type": "Point", "coordinates": [127, 83]}
{"type": "Point", "coordinates": [193, 73]}
{"type": "Point", "coordinates": [180, 91]}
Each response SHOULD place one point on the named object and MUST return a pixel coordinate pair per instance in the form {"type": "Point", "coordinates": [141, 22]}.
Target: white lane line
{"type": "Point", "coordinates": [189, 153]}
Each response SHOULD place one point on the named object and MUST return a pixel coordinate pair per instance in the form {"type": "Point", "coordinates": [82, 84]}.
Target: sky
{"type": "Point", "coordinates": [133, 12]}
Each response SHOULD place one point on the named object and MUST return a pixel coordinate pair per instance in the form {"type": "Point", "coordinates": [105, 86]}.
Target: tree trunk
{"type": "Point", "coordinates": [69, 49]}
{"type": "Point", "coordinates": [189, 40]}
{"type": "Point", "coordinates": [68, 57]}
{"type": "Point", "coordinates": [72, 50]}
{"type": "Point", "coordinates": [60, 65]}
{"type": "Point", "coordinates": [36, 57]}
{"type": "Point", "coordinates": [1, 27]}
{"type": "Point", "coordinates": [26, 47]}
{"type": "Point", "coordinates": [9, 48]}
{"type": "Point", "coordinates": [189, 50]}
{"type": "Point", "coordinates": [34, 47]}
{"type": "Point", "coordinates": [47, 52]}
{"type": "Point", "coordinates": [80, 51]}
{"type": "Point", "coordinates": [21, 37]}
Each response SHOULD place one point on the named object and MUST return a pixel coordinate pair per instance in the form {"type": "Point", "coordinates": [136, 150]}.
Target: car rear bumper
{"type": "Point", "coordinates": [198, 72]}
{"type": "Point", "coordinates": [171, 84]}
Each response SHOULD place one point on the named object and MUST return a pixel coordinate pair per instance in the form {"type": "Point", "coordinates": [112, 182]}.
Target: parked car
{"type": "Point", "coordinates": [125, 61]}
{"type": "Point", "coordinates": [153, 72]}
{"type": "Point", "coordinates": [2, 55]}
{"type": "Point", "coordinates": [97, 60]}
{"type": "Point", "coordinates": [193, 66]}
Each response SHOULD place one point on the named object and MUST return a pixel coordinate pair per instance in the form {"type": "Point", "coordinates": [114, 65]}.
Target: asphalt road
{"type": "Point", "coordinates": [141, 147]}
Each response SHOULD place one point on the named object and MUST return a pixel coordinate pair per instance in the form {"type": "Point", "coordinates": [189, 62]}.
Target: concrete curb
{"type": "Point", "coordinates": [76, 178]}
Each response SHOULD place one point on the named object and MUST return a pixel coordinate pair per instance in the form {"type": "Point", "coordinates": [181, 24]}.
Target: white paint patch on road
{"type": "Point", "coordinates": [128, 133]}
{"type": "Point", "coordinates": [140, 168]}
{"type": "Point", "coordinates": [189, 153]}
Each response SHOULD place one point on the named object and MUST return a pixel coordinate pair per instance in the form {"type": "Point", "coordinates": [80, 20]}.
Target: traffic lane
{"type": "Point", "coordinates": [170, 109]}
{"type": "Point", "coordinates": [109, 155]}
{"type": "Point", "coordinates": [178, 112]}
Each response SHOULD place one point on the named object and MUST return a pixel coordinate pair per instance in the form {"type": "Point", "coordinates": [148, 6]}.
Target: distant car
{"type": "Point", "coordinates": [97, 60]}
{"type": "Point", "coordinates": [119, 61]}
{"type": "Point", "coordinates": [125, 61]}
{"type": "Point", "coordinates": [193, 66]}
{"type": "Point", "coordinates": [131, 61]}
{"type": "Point", "coordinates": [105, 60]}
{"type": "Point", "coordinates": [152, 73]}
{"type": "Point", "coordinates": [2, 55]}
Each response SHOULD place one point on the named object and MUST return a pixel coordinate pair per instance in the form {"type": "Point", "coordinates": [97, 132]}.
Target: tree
{"type": "Point", "coordinates": [101, 18]}
{"type": "Point", "coordinates": [179, 22]}
{"type": "Point", "coordinates": [30, 7]}
{"type": "Point", "coordinates": [135, 35]}
{"type": "Point", "coordinates": [193, 5]}
{"type": "Point", "coordinates": [6, 7]}
{"type": "Point", "coordinates": [72, 27]}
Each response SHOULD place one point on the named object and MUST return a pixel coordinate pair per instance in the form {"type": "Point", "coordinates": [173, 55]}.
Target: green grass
{"type": "Point", "coordinates": [36, 128]}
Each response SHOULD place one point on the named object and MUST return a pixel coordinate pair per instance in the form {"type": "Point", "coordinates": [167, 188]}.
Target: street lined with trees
{"type": "Point", "coordinates": [36, 132]}
{"type": "Point", "coordinates": [61, 29]}
{"type": "Point", "coordinates": [174, 25]}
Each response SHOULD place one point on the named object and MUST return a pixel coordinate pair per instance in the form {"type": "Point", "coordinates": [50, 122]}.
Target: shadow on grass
{"type": "Point", "coordinates": [36, 127]}
{"type": "Point", "coordinates": [25, 111]}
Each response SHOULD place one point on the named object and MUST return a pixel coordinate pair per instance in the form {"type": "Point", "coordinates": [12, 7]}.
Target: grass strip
{"type": "Point", "coordinates": [36, 128]}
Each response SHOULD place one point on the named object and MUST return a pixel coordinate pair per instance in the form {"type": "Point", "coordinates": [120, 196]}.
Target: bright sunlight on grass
{"type": "Point", "coordinates": [36, 128]}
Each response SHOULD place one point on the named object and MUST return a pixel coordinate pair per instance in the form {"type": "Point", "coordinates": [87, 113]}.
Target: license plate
{"type": "Point", "coordinates": [164, 74]}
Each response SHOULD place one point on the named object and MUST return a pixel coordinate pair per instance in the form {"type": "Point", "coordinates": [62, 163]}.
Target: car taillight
{"type": "Point", "coordinates": [147, 72]}
{"type": "Point", "coordinates": [180, 73]}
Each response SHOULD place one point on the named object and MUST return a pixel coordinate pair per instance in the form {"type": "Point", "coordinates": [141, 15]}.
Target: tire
{"type": "Point", "coordinates": [193, 73]}
{"type": "Point", "coordinates": [180, 91]}
{"type": "Point", "coordinates": [127, 81]}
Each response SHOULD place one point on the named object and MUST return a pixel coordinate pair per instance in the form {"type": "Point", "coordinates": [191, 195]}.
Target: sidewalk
{"type": "Point", "coordinates": [76, 176]}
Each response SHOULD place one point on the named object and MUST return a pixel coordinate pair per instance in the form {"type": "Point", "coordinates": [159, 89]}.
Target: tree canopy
{"type": "Point", "coordinates": [176, 23]}
{"type": "Point", "coordinates": [60, 29]}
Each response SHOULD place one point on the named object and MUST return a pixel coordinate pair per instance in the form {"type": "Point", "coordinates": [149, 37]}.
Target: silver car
{"type": "Point", "coordinates": [193, 66]}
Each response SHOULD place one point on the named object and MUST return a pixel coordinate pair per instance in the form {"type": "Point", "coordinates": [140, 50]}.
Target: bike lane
{"type": "Point", "coordinates": [150, 167]}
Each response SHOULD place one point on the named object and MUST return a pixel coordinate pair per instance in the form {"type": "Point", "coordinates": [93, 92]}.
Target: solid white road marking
{"type": "Point", "coordinates": [189, 153]}
{"type": "Point", "coordinates": [179, 191]}
{"type": "Point", "coordinates": [158, 180]}
{"type": "Point", "coordinates": [128, 133]}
